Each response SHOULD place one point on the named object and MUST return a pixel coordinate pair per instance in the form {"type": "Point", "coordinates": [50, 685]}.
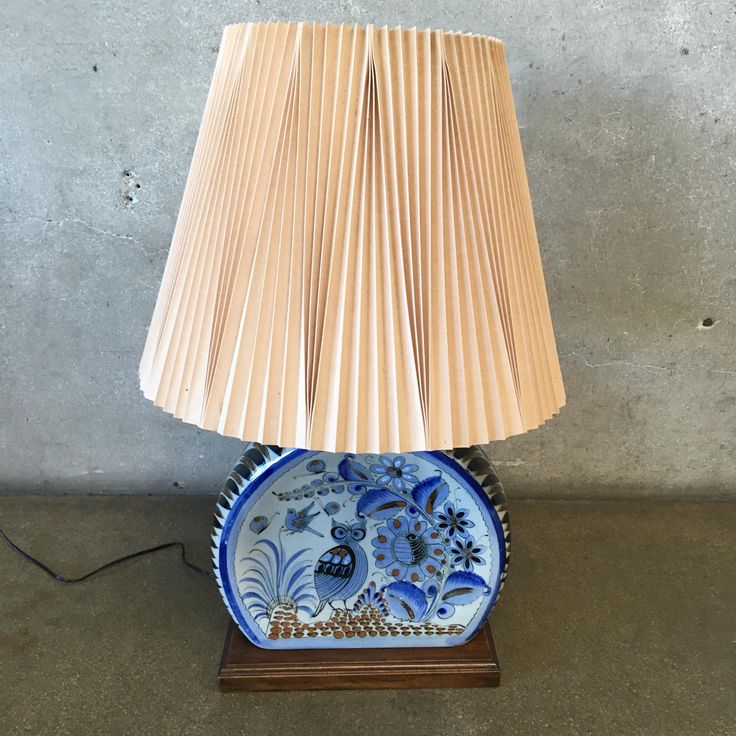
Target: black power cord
{"type": "Point", "coordinates": [63, 579]}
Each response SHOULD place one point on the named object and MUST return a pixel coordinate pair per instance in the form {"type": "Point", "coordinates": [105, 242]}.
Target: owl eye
{"type": "Point", "coordinates": [358, 534]}
{"type": "Point", "coordinates": [339, 532]}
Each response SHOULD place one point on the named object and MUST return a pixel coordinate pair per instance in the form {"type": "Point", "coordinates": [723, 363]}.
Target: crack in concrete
{"type": "Point", "coordinates": [88, 225]}
{"type": "Point", "coordinates": [76, 220]}
{"type": "Point", "coordinates": [627, 363]}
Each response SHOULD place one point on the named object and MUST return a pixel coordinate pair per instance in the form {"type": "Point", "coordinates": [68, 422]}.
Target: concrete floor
{"type": "Point", "coordinates": [618, 618]}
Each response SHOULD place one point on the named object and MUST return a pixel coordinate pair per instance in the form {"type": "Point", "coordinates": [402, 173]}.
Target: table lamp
{"type": "Point", "coordinates": [354, 287]}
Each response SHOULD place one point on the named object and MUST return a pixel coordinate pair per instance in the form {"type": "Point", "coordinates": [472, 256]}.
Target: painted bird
{"type": "Point", "coordinates": [340, 573]}
{"type": "Point", "coordinates": [299, 521]}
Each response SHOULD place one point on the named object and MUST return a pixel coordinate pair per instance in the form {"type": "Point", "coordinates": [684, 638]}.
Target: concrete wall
{"type": "Point", "coordinates": [627, 112]}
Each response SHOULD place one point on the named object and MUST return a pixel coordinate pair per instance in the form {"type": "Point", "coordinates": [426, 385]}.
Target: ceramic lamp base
{"type": "Point", "coordinates": [316, 550]}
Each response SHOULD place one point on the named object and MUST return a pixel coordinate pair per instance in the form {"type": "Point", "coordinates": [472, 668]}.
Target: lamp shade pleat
{"type": "Point", "coordinates": [355, 265]}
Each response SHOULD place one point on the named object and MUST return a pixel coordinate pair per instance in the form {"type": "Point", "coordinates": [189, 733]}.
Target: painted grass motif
{"type": "Point", "coordinates": [273, 580]}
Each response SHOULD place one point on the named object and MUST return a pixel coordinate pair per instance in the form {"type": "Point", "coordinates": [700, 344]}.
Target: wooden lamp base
{"type": "Point", "coordinates": [245, 667]}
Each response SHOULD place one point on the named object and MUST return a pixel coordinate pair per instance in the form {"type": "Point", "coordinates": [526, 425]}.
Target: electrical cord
{"type": "Point", "coordinates": [63, 579]}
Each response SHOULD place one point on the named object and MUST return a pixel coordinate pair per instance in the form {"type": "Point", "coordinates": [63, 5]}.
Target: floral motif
{"type": "Point", "coordinates": [426, 566]}
{"type": "Point", "coordinates": [454, 521]}
{"type": "Point", "coordinates": [395, 472]}
{"type": "Point", "coordinates": [408, 549]}
{"type": "Point", "coordinates": [467, 553]}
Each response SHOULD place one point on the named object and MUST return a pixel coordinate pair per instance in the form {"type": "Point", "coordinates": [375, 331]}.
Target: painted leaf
{"type": "Point", "coordinates": [463, 587]}
{"type": "Point", "coordinates": [430, 493]}
{"type": "Point", "coordinates": [349, 469]}
{"type": "Point", "coordinates": [332, 507]}
{"type": "Point", "coordinates": [405, 601]}
{"type": "Point", "coordinates": [380, 504]}
{"type": "Point", "coordinates": [258, 524]}
{"type": "Point", "coordinates": [315, 466]}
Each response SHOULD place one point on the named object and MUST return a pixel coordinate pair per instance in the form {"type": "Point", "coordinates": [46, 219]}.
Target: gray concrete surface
{"type": "Point", "coordinates": [618, 618]}
{"type": "Point", "coordinates": [627, 113]}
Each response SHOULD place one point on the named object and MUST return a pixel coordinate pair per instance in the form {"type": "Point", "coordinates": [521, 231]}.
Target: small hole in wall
{"type": "Point", "coordinates": [176, 484]}
{"type": "Point", "coordinates": [708, 322]}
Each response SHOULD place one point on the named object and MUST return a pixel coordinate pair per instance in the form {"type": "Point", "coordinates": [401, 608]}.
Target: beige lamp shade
{"type": "Point", "coordinates": [355, 266]}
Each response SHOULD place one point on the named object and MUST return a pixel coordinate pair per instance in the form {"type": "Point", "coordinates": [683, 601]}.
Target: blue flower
{"type": "Point", "coordinates": [395, 472]}
{"type": "Point", "coordinates": [467, 553]}
{"type": "Point", "coordinates": [454, 521]}
{"type": "Point", "coordinates": [408, 549]}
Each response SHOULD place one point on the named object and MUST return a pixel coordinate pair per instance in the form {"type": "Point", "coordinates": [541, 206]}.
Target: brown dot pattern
{"type": "Point", "coordinates": [368, 622]}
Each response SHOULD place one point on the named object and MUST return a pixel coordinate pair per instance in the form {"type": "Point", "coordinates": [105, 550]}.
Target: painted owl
{"type": "Point", "coordinates": [341, 572]}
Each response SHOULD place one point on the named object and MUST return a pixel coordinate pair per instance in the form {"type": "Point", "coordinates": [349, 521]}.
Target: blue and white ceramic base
{"type": "Point", "coordinates": [316, 550]}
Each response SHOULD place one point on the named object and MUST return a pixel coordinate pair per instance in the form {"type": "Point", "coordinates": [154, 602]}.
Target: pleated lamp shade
{"type": "Point", "coordinates": [355, 266]}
